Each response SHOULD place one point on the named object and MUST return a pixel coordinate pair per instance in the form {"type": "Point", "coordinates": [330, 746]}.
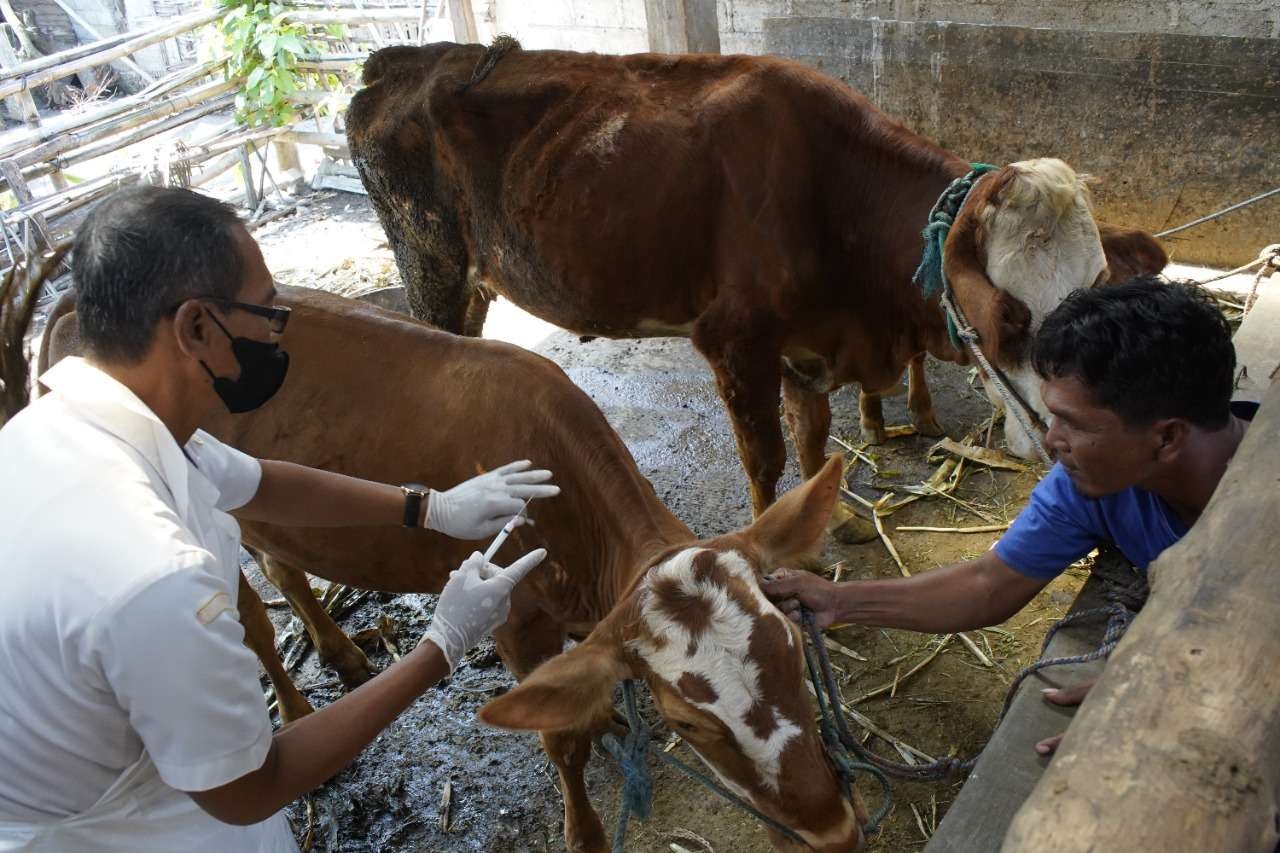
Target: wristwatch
{"type": "Point", "coordinates": [414, 495]}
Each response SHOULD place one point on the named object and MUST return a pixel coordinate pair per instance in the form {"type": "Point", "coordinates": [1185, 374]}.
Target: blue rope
{"type": "Point", "coordinates": [637, 785]}
{"type": "Point", "coordinates": [630, 752]}
{"type": "Point", "coordinates": [929, 276]}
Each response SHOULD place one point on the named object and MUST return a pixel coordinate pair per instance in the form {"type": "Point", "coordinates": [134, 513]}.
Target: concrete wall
{"type": "Point", "coordinates": [618, 26]}
{"type": "Point", "coordinates": [601, 26]}
{"type": "Point", "coordinates": [1174, 126]}
{"type": "Point", "coordinates": [742, 21]}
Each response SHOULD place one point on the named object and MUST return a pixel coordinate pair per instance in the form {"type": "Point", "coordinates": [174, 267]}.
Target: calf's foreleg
{"type": "Point", "coordinates": [334, 647]}
{"type": "Point", "coordinates": [260, 636]}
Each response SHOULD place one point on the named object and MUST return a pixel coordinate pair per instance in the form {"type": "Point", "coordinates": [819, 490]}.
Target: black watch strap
{"type": "Point", "coordinates": [414, 495]}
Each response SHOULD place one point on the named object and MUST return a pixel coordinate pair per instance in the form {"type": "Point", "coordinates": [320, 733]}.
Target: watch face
{"type": "Point", "coordinates": [415, 488]}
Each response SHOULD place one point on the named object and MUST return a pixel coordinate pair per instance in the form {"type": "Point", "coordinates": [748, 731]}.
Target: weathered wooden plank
{"type": "Point", "coordinates": [1178, 746]}
{"type": "Point", "coordinates": [1009, 767]}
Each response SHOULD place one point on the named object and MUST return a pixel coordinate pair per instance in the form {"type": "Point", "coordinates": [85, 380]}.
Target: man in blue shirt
{"type": "Point", "coordinates": [1138, 379]}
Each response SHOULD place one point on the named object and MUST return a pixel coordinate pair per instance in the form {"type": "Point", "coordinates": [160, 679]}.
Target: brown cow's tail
{"type": "Point", "coordinates": [500, 47]}
{"type": "Point", "coordinates": [19, 290]}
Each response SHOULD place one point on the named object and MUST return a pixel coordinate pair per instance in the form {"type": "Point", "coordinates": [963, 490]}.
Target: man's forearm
{"type": "Point", "coordinates": [308, 752]}
{"type": "Point", "coordinates": [959, 597]}
{"type": "Point", "coordinates": [297, 496]}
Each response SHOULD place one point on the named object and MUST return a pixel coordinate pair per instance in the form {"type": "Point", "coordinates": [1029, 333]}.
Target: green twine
{"type": "Point", "coordinates": [929, 276]}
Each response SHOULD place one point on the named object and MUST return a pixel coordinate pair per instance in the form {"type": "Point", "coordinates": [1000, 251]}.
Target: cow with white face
{"type": "Point", "coordinates": [1024, 239]}
{"type": "Point", "coordinates": [725, 668]}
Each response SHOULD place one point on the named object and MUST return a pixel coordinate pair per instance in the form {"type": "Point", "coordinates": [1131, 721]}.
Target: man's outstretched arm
{"type": "Point", "coordinates": [959, 597]}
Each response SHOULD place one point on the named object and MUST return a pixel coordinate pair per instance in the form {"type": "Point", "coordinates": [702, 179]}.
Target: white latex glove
{"type": "Point", "coordinates": [476, 600]}
{"type": "Point", "coordinates": [479, 507]}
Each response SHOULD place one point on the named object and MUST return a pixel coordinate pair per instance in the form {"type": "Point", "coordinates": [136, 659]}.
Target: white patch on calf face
{"type": "Point", "coordinates": [719, 653]}
{"type": "Point", "coordinates": [1041, 244]}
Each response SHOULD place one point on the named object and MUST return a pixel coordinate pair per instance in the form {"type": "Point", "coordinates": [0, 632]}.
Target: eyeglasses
{"type": "Point", "coordinates": [277, 316]}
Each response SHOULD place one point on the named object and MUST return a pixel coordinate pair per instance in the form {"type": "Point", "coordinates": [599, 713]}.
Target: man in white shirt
{"type": "Point", "coordinates": [131, 717]}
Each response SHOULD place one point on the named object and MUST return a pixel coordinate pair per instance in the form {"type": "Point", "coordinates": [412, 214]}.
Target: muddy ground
{"type": "Point", "coordinates": [661, 398]}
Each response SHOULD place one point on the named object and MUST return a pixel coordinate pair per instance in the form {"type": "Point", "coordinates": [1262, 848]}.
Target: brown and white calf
{"type": "Point", "coordinates": [764, 210]}
{"type": "Point", "coordinates": [377, 395]}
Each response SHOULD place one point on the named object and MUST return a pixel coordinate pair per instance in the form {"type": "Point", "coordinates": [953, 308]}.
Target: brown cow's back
{"type": "Point", "coordinates": [374, 394]}
{"type": "Point", "coordinates": [612, 195]}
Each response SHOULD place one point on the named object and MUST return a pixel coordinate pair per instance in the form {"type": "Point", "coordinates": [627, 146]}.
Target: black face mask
{"type": "Point", "coordinates": [262, 370]}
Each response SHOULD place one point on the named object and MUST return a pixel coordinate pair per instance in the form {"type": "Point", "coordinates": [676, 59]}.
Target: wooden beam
{"type": "Point", "coordinates": [1178, 745]}
{"type": "Point", "coordinates": [27, 80]}
{"type": "Point", "coordinates": [464, 21]}
{"type": "Point", "coordinates": [682, 26]}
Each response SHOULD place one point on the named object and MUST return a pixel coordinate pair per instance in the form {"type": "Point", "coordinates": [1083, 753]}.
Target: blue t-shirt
{"type": "Point", "coordinates": [1059, 525]}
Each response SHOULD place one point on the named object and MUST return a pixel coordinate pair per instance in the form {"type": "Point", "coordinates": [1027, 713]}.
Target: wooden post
{"type": "Point", "coordinates": [21, 106]}
{"type": "Point", "coordinates": [13, 174]}
{"type": "Point", "coordinates": [291, 172]}
{"type": "Point", "coordinates": [464, 22]}
{"type": "Point", "coordinates": [682, 26]}
{"type": "Point", "coordinates": [1178, 745]}
{"type": "Point", "coordinates": [250, 191]}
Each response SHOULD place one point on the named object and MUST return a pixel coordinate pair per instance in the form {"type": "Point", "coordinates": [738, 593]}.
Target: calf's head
{"type": "Point", "coordinates": [1023, 240]}
{"type": "Point", "coordinates": [725, 668]}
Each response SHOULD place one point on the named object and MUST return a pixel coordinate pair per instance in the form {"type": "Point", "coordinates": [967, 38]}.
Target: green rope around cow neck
{"type": "Point", "coordinates": [929, 276]}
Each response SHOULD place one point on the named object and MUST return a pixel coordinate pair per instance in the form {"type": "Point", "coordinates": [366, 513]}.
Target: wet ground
{"type": "Point", "coordinates": [661, 398]}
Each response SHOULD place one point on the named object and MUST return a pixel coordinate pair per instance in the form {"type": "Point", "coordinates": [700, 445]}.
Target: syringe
{"type": "Point", "coordinates": [505, 532]}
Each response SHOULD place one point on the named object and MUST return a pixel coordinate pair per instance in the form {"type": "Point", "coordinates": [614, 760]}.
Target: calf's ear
{"type": "Point", "coordinates": [792, 528]}
{"type": "Point", "coordinates": [572, 690]}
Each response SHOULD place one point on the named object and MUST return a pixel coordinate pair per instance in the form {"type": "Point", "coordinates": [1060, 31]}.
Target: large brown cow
{"type": "Point", "coordinates": [377, 395]}
{"type": "Point", "coordinates": [768, 212]}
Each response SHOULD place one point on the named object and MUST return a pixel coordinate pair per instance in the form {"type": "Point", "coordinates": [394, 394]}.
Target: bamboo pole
{"type": "Point", "coordinates": [72, 53]}
{"type": "Point", "coordinates": [11, 144]}
{"type": "Point", "coordinates": [171, 105]}
{"type": "Point", "coordinates": [137, 135]}
{"type": "Point", "coordinates": [27, 80]}
{"type": "Point", "coordinates": [351, 17]}
{"type": "Point", "coordinates": [124, 60]}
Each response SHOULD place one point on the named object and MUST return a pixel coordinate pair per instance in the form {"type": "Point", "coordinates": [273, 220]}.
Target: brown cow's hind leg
{"type": "Point", "coordinates": [260, 636]}
{"type": "Point", "coordinates": [334, 647]}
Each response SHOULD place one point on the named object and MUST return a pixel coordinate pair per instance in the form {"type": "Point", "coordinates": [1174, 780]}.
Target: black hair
{"type": "Point", "coordinates": [1147, 349]}
{"type": "Point", "coordinates": [142, 252]}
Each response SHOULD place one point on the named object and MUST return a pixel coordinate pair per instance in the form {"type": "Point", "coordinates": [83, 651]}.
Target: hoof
{"type": "Point", "coordinates": [928, 425]}
{"type": "Point", "coordinates": [294, 707]}
{"type": "Point", "coordinates": [352, 666]}
{"type": "Point", "coordinates": [849, 528]}
{"type": "Point", "coordinates": [873, 435]}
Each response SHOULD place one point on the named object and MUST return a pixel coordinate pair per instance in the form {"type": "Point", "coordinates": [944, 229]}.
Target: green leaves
{"type": "Point", "coordinates": [263, 50]}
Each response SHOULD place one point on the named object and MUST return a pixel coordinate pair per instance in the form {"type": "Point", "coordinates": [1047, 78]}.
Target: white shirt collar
{"type": "Point", "coordinates": [113, 407]}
